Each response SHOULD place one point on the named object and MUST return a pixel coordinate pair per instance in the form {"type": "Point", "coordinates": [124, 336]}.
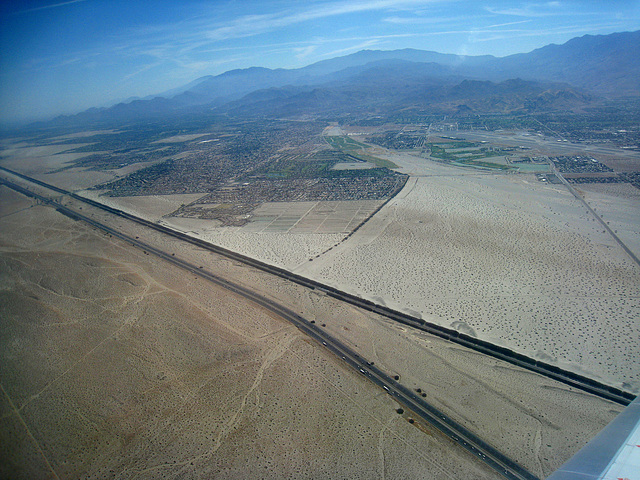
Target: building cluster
{"type": "Point", "coordinates": [233, 204]}
{"type": "Point", "coordinates": [579, 164]}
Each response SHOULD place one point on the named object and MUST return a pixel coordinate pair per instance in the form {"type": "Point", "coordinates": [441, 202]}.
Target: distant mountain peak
{"type": "Point", "coordinates": [604, 65]}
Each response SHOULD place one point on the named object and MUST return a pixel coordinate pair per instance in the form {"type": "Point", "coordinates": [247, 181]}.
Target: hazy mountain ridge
{"type": "Point", "coordinates": [603, 64]}
{"type": "Point", "coordinates": [589, 67]}
{"type": "Point", "coordinates": [391, 94]}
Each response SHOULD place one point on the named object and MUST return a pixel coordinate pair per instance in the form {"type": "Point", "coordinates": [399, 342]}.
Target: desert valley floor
{"type": "Point", "coordinates": [115, 363]}
{"type": "Point", "coordinates": [500, 256]}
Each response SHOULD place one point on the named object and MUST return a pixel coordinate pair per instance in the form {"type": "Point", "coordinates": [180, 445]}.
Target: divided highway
{"type": "Point", "coordinates": [569, 378]}
{"type": "Point", "coordinates": [465, 438]}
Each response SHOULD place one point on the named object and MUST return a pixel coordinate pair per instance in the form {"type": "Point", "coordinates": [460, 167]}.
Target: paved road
{"type": "Point", "coordinates": [570, 378]}
{"type": "Point", "coordinates": [468, 440]}
{"type": "Point", "coordinates": [592, 211]}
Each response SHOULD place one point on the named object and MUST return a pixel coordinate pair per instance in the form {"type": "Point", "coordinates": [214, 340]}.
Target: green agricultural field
{"type": "Point", "coordinates": [356, 149]}
{"type": "Point", "coordinates": [343, 143]}
{"type": "Point", "coordinates": [452, 152]}
{"type": "Point", "coordinates": [293, 169]}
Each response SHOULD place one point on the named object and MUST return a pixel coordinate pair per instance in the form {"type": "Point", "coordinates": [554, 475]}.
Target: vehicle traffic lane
{"type": "Point", "coordinates": [552, 371]}
{"type": "Point", "coordinates": [463, 437]}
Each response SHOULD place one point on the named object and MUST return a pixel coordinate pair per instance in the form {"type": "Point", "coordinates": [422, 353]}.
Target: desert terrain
{"type": "Point", "coordinates": [116, 364]}
{"type": "Point", "coordinates": [168, 335]}
{"type": "Point", "coordinates": [500, 256]}
{"type": "Point", "coordinates": [618, 205]}
{"type": "Point", "coordinates": [503, 257]}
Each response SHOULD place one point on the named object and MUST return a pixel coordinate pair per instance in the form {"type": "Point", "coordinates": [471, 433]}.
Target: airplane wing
{"type": "Point", "coordinates": [613, 454]}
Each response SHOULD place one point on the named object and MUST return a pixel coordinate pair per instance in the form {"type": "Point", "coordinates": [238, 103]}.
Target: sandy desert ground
{"type": "Point", "coordinates": [274, 248]}
{"type": "Point", "coordinates": [44, 163]}
{"type": "Point", "coordinates": [117, 365]}
{"type": "Point", "coordinates": [617, 204]}
{"type": "Point", "coordinates": [151, 207]}
{"type": "Point", "coordinates": [504, 257]}
{"type": "Point", "coordinates": [136, 368]}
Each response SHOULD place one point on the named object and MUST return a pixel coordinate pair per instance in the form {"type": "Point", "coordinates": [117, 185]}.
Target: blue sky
{"type": "Point", "coordinates": [62, 56]}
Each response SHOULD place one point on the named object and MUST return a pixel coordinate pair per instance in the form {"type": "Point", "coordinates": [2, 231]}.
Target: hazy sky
{"type": "Point", "coordinates": [67, 55]}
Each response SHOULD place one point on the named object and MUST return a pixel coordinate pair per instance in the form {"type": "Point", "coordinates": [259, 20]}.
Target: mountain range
{"type": "Point", "coordinates": [565, 77]}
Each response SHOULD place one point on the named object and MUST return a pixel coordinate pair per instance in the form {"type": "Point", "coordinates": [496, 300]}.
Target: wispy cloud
{"type": "Point", "coordinates": [354, 48]}
{"type": "Point", "coordinates": [573, 30]}
{"type": "Point", "coordinates": [47, 7]}
{"type": "Point", "coordinates": [532, 10]}
{"type": "Point", "coordinates": [143, 69]}
{"type": "Point", "coordinates": [251, 25]}
{"type": "Point", "coordinates": [205, 39]}
{"type": "Point", "coordinates": [189, 40]}
{"type": "Point", "coordinates": [431, 20]}
{"type": "Point", "coordinates": [303, 52]}
{"type": "Point", "coordinates": [507, 24]}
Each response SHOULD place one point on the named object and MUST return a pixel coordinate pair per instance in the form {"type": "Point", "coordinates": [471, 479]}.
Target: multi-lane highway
{"type": "Point", "coordinates": [507, 355]}
{"type": "Point", "coordinates": [406, 397]}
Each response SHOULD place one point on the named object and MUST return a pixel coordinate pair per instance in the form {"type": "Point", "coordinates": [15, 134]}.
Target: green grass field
{"type": "Point", "coordinates": [463, 158]}
{"type": "Point", "coordinates": [356, 149]}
